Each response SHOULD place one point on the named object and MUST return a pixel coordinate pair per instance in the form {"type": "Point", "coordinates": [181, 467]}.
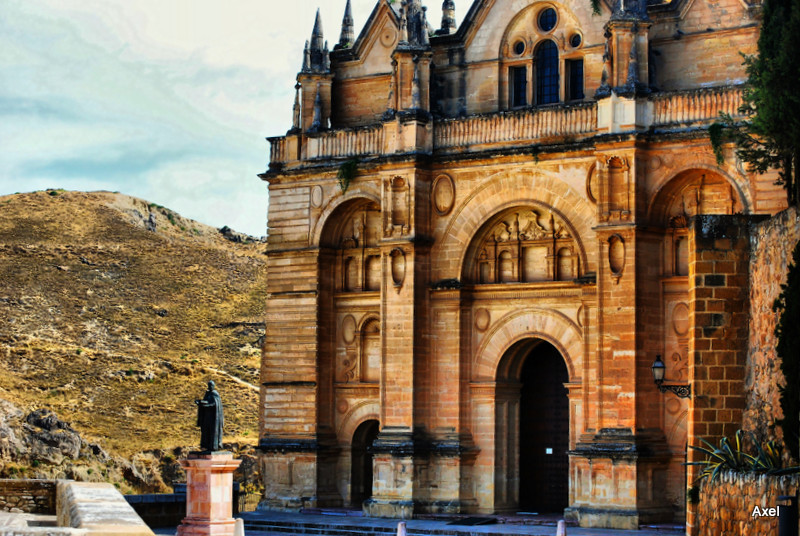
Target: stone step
{"type": "Point", "coordinates": [273, 526]}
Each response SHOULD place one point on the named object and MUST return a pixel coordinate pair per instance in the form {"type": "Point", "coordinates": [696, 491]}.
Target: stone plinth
{"type": "Point", "coordinates": [209, 494]}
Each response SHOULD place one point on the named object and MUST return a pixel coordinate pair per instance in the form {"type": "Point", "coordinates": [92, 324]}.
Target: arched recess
{"type": "Point", "coordinates": [700, 190]}
{"type": "Point", "coordinates": [524, 244]}
{"type": "Point", "coordinates": [696, 191]}
{"type": "Point", "coordinates": [520, 189]}
{"type": "Point", "coordinates": [354, 196]}
{"type": "Point", "coordinates": [348, 239]}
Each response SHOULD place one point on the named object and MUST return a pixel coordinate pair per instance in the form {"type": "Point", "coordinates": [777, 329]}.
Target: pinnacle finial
{"type": "Point", "coordinates": [347, 36]}
{"type": "Point", "coordinates": [448, 17]}
{"type": "Point", "coordinates": [316, 34]}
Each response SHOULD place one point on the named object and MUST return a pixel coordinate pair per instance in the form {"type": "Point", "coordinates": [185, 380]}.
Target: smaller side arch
{"type": "Point", "coordinates": [359, 413]}
{"type": "Point", "coordinates": [664, 191]}
{"type": "Point", "coordinates": [353, 195]}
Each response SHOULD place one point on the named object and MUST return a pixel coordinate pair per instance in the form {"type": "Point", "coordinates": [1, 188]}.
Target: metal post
{"type": "Point", "coordinates": [787, 516]}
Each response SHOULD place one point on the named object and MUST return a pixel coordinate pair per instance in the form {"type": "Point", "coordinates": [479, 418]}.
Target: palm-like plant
{"type": "Point", "coordinates": [730, 457]}
{"type": "Point", "coordinates": [723, 458]}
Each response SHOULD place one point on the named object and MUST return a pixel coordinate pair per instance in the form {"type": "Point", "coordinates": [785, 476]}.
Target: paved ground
{"type": "Point", "coordinates": [9, 520]}
{"type": "Point", "coordinates": [476, 530]}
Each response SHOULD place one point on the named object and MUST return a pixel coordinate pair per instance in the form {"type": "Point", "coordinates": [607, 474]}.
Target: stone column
{"type": "Point", "coordinates": [209, 494]}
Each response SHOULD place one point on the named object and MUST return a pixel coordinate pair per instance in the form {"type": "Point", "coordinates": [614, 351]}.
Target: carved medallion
{"type": "Point", "coordinates": [342, 406]}
{"type": "Point", "coordinates": [654, 163]}
{"type": "Point", "coordinates": [444, 194]}
{"type": "Point", "coordinates": [388, 36]}
{"type": "Point", "coordinates": [482, 319]}
{"type": "Point", "coordinates": [680, 319]}
{"type": "Point", "coordinates": [579, 318]}
{"type": "Point", "coordinates": [398, 267]}
{"type": "Point", "coordinates": [591, 184]}
{"type": "Point", "coordinates": [349, 329]}
{"type": "Point", "coordinates": [616, 256]}
{"type": "Point", "coordinates": [316, 196]}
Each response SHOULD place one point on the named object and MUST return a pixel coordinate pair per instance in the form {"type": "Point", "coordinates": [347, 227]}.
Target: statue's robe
{"type": "Point", "coordinates": [210, 421]}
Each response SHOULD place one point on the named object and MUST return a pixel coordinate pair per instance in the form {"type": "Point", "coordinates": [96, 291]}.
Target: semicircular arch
{"type": "Point", "coordinates": [664, 190]}
{"type": "Point", "coordinates": [360, 412]}
{"type": "Point", "coordinates": [549, 325]}
{"type": "Point", "coordinates": [354, 195]}
{"type": "Point", "coordinates": [481, 205]}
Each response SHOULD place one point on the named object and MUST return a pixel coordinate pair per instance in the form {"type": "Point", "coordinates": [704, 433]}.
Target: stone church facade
{"type": "Point", "coordinates": [481, 237]}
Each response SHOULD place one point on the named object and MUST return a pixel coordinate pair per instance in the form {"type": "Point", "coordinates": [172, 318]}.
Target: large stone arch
{"type": "Point", "coordinates": [485, 201]}
{"type": "Point", "coordinates": [546, 324]}
{"type": "Point", "coordinates": [362, 193]}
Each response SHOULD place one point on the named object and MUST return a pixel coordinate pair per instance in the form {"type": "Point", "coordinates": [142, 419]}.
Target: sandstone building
{"type": "Point", "coordinates": [481, 237]}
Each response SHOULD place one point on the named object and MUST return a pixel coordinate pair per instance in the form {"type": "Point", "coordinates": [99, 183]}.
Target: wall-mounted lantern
{"type": "Point", "coordinates": [659, 368]}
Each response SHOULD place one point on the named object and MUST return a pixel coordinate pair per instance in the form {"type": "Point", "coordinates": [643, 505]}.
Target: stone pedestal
{"type": "Point", "coordinates": [209, 494]}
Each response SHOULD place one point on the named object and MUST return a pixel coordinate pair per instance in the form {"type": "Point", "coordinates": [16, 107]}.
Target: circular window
{"type": "Point", "coordinates": [547, 19]}
{"type": "Point", "coordinates": [519, 48]}
{"type": "Point", "coordinates": [576, 40]}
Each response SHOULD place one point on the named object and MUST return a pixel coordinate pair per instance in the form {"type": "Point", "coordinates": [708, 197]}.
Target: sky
{"type": "Point", "coordinates": [166, 100]}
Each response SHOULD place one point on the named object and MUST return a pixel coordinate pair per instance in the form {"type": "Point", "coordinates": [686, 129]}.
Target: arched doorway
{"type": "Point", "coordinates": [532, 429]}
{"type": "Point", "coordinates": [361, 462]}
{"type": "Point", "coordinates": [543, 432]}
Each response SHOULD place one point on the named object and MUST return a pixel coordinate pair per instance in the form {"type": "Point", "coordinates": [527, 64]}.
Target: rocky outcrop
{"type": "Point", "coordinates": [38, 444]}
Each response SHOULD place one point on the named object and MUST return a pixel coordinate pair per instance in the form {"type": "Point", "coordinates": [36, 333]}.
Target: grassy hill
{"type": "Point", "coordinates": [114, 313]}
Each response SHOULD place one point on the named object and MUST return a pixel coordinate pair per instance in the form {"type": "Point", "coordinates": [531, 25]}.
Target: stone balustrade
{"type": "Point", "coordinates": [346, 143]}
{"type": "Point", "coordinates": [502, 129]}
{"type": "Point", "coordinates": [695, 106]}
{"type": "Point", "coordinates": [515, 128]}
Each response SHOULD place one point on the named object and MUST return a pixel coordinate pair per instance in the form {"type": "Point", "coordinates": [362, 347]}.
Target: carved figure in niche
{"type": "Point", "coordinates": [358, 229]}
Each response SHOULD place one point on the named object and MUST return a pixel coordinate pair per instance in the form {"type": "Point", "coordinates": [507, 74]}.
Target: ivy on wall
{"type": "Point", "coordinates": [347, 172]}
{"type": "Point", "coordinates": [787, 332]}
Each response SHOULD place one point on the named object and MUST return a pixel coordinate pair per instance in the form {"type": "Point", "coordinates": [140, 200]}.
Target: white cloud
{"type": "Point", "coordinates": [165, 100]}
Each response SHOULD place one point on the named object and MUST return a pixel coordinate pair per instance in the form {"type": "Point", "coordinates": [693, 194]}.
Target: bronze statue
{"type": "Point", "coordinates": [210, 420]}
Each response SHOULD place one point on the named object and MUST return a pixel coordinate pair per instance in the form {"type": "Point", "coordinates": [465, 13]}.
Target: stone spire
{"type": "Point", "coordinates": [317, 39]}
{"type": "Point", "coordinates": [315, 55]}
{"type": "Point", "coordinates": [306, 58]}
{"type": "Point", "coordinates": [448, 17]}
{"type": "Point", "coordinates": [348, 35]}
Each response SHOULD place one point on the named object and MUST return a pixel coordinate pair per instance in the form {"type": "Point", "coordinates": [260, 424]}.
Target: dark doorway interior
{"type": "Point", "coordinates": [361, 467]}
{"type": "Point", "coordinates": [544, 432]}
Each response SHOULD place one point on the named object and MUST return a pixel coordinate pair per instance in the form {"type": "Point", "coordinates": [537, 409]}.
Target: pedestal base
{"type": "Point", "coordinates": [209, 494]}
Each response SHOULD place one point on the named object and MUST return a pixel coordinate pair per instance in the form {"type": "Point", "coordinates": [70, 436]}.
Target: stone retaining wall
{"type": "Point", "coordinates": [28, 496]}
{"type": "Point", "coordinates": [98, 508]}
{"type": "Point", "coordinates": [772, 243]}
{"type": "Point", "coordinates": [726, 505]}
